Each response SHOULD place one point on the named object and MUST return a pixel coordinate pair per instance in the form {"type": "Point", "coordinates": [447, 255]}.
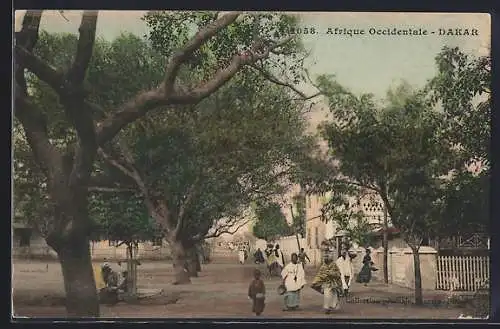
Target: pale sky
{"type": "Point", "coordinates": [363, 63]}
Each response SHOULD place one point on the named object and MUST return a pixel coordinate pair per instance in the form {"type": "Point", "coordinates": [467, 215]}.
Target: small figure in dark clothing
{"type": "Point", "coordinates": [259, 257]}
{"type": "Point", "coordinates": [365, 275]}
{"type": "Point", "coordinates": [302, 257]}
{"type": "Point", "coordinates": [257, 293]}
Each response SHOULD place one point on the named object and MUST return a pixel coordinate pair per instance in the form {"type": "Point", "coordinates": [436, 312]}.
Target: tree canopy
{"type": "Point", "coordinates": [270, 222]}
{"type": "Point", "coordinates": [92, 124]}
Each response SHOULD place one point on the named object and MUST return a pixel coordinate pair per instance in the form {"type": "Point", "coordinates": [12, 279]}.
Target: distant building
{"type": "Point", "coordinates": [317, 231]}
{"type": "Point", "coordinates": [28, 243]}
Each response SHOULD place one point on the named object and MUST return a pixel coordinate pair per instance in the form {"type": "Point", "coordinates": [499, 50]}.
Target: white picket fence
{"type": "Point", "coordinates": [465, 273]}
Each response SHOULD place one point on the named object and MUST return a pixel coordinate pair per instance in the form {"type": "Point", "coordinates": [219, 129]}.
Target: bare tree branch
{"type": "Point", "coordinates": [201, 37]}
{"type": "Point", "coordinates": [74, 101]}
{"type": "Point", "coordinates": [227, 229]}
{"type": "Point", "coordinates": [191, 192]}
{"type": "Point", "coordinates": [115, 163]}
{"type": "Point", "coordinates": [40, 68]}
{"type": "Point", "coordinates": [85, 46]}
{"type": "Point", "coordinates": [27, 38]}
{"type": "Point", "coordinates": [35, 129]}
{"type": "Point", "coordinates": [221, 77]}
{"type": "Point", "coordinates": [158, 209]}
{"type": "Point", "coordinates": [155, 98]}
{"type": "Point", "coordinates": [266, 74]}
{"type": "Point", "coordinates": [54, 78]}
{"type": "Point", "coordinates": [33, 120]}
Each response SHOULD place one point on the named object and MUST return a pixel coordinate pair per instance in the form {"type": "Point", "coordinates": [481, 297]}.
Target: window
{"type": "Point", "coordinates": [157, 242]}
{"type": "Point", "coordinates": [309, 237]}
{"type": "Point", "coordinates": [316, 236]}
{"type": "Point", "coordinates": [112, 243]}
{"type": "Point", "coordinates": [24, 235]}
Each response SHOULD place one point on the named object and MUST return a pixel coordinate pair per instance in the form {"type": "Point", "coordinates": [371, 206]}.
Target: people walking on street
{"type": "Point", "coordinates": [344, 264]}
{"type": "Point", "coordinates": [279, 256]}
{"type": "Point", "coordinates": [259, 256]}
{"type": "Point", "coordinates": [257, 293]}
{"type": "Point", "coordinates": [302, 257]}
{"type": "Point", "coordinates": [241, 255]}
{"type": "Point", "coordinates": [365, 274]}
{"type": "Point", "coordinates": [328, 282]}
{"type": "Point", "coordinates": [294, 280]}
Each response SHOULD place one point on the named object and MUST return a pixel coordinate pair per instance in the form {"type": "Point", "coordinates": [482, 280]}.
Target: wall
{"type": "Point", "coordinates": [146, 250]}
{"type": "Point", "coordinates": [99, 250]}
{"type": "Point", "coordinates": [395, 242]}
{"type": "Point", "coordinates": [400, 266]}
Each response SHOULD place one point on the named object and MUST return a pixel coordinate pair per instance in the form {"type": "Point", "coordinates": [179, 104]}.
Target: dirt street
{"type": "Point", "coordinates": [219, 291]}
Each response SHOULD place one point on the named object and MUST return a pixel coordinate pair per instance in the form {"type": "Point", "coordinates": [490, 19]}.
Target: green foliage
{"type": "Point", "coordinates": [396, 151]}
{"type": "Point", "coordinates": [31, 203]}
{"type": "Point", "coordinates": [270, 223]}
{"type": "Point", "coordinates": [299, 218]}
{"type": "Point", "coordinates": [404, 149]}
{"type": "Point", "coordinates": [122, 218]}
{"type": "Point", "coordinates": [235, 147]}
{"type": "Point", "coordinates": [169, 30]}
{"type": "Point", "coordinates": [462, 90]}
{"type": "Point", "coordinates": [108, 83]}
{"type": "Point", "coordinates": [352, 222]}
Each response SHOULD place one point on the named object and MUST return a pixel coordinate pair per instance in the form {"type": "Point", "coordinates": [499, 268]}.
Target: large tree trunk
{"type": "Point", "coordinates": [418, 276]}
{"type": "Point", "coordinates": [179, 260]}
{"type": "Point", "coordinates": [79, 282]}
{"type": "Point", "coordinates": [70, 238]}
{"type": "Point", "coordinates": [386, 247]}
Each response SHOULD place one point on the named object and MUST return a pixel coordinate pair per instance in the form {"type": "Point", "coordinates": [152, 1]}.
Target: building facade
{"type": "Point", "coordinates": [318, 231]}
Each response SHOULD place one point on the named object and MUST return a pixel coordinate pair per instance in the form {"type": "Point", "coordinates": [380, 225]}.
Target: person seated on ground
{"type": "Point", "coordinates": [257, 293]}
{"type": "Point", "coordinates": [109, 276]}
{"type": "Point", "coordinates": [302, 257]}
{"type": "Point", "coordinates": [123, 284]}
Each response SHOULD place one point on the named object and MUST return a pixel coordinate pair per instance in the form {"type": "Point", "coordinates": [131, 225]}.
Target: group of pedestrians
{"type": "Point", "coordinates": [332, 280]}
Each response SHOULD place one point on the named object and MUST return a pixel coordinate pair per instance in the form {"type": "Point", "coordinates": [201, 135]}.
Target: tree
{"type": "Point", "coordinates": [270, 222]}
{"type": "Point", "coordinates": [68, 169]}
{"type": "Point", "coordinates": [352, 222]}
{"type": "Point", "coordinates": [122, 217]}
{"type": "Point", "coordinates": [397, 151]}
{"type": "Point", "coordinates": [299, 219]}
{"type": "Point", "coordinates": [210, 171]}
{"type": "Point", "coordinates": [462, 89]}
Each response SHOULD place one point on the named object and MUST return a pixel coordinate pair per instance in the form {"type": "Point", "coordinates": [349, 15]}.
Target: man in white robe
{"type": "Point", "coordinates": [294, 279]}
{"type": "Point", "coordinates": [241, 256]}
{"type": "Point", "coordinates": [344, 264]}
